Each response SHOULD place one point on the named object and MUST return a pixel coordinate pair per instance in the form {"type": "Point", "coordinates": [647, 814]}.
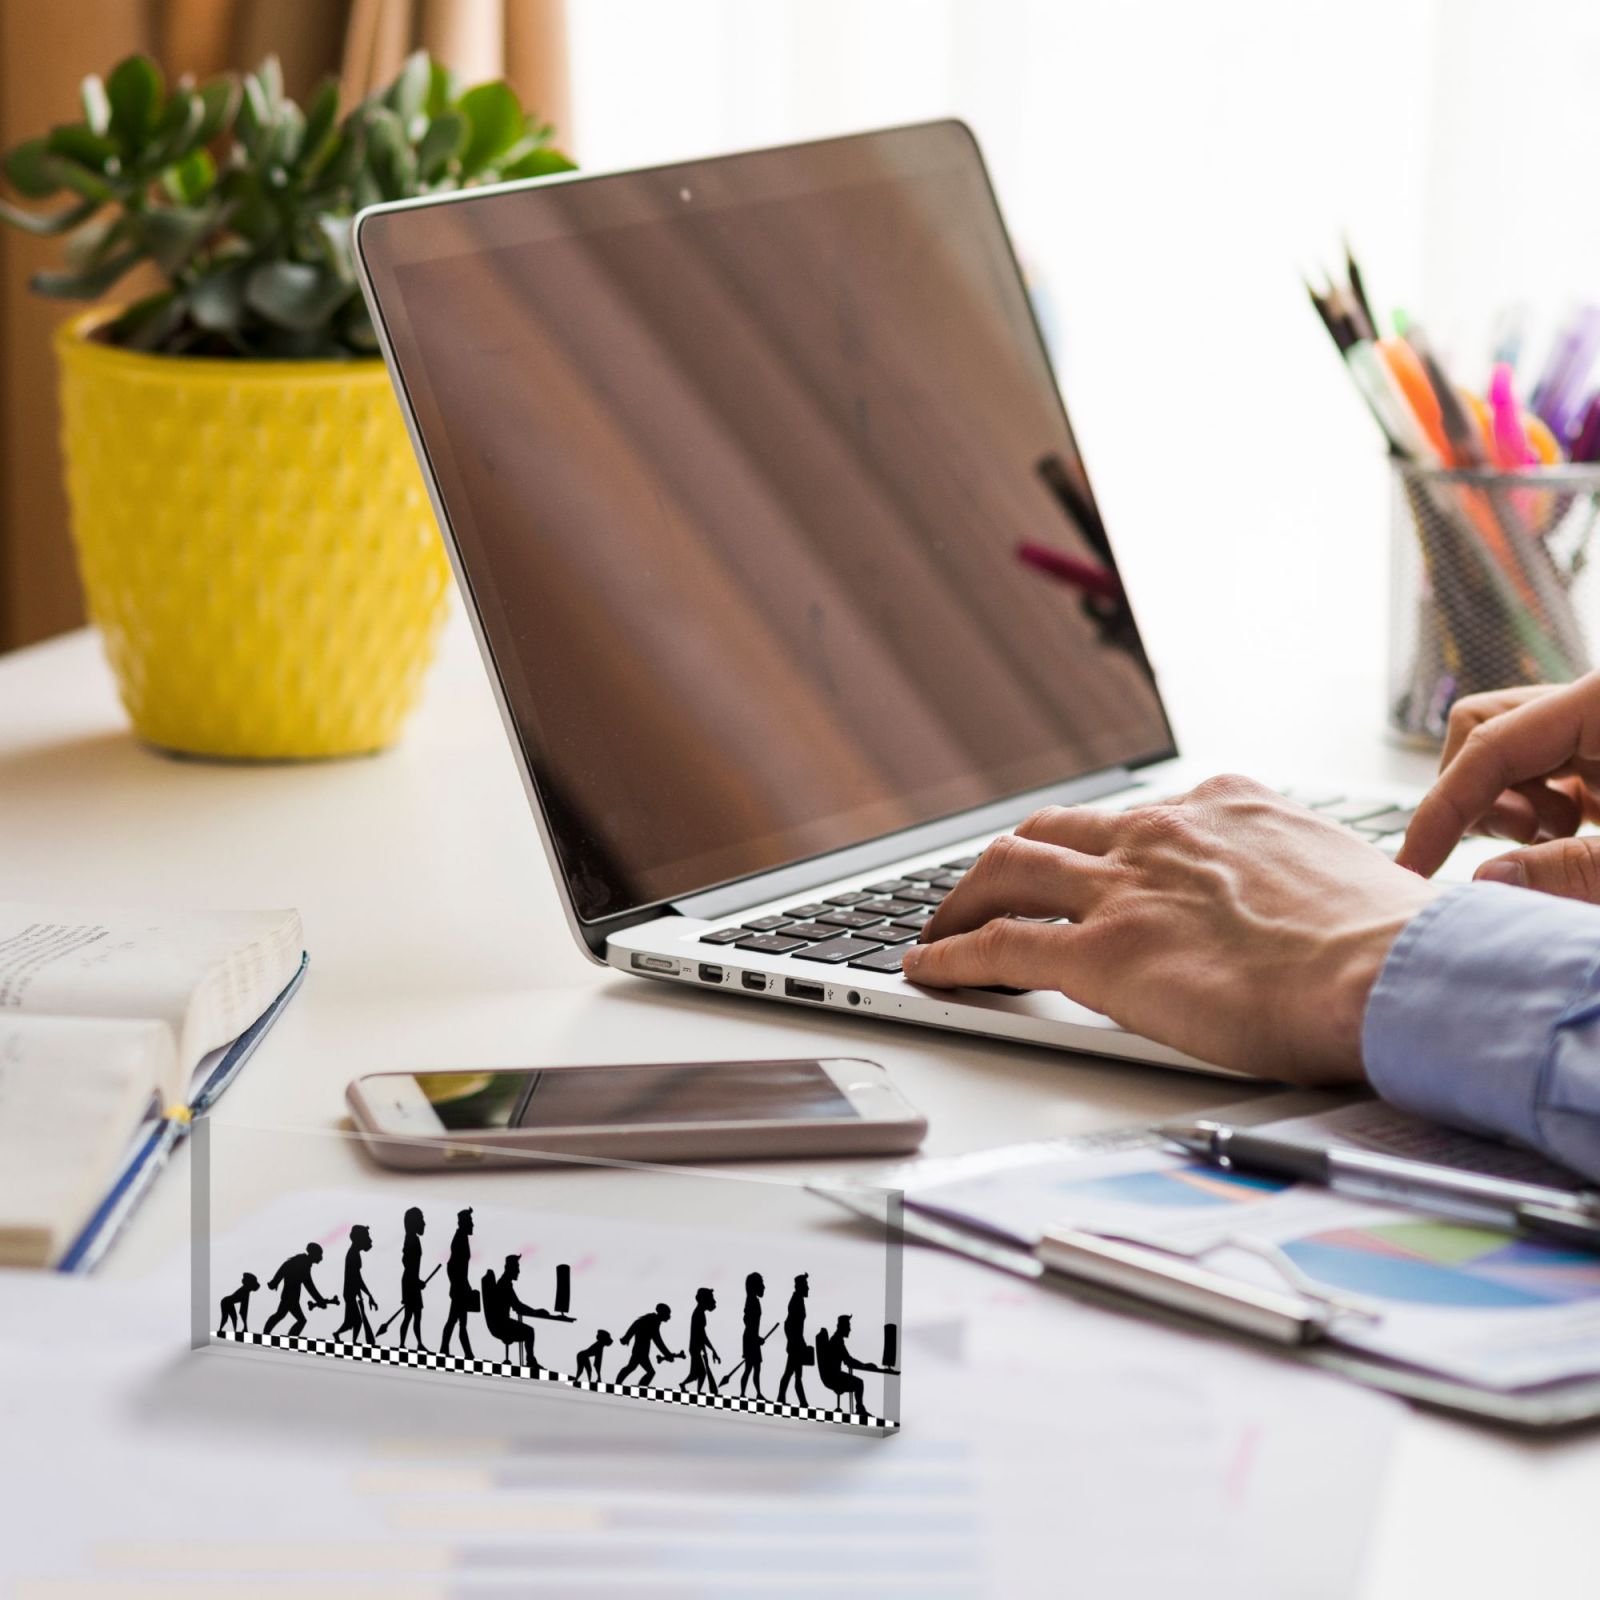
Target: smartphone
{"type": "Point", "coordinates": [666, 1111]}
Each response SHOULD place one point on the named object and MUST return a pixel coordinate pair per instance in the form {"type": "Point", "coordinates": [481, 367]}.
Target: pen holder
{"type": "Point", "coordinates": [1487, 587]}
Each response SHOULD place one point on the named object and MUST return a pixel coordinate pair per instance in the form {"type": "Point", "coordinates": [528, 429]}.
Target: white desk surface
{"type": "Point", "coordinates": [436, 939]}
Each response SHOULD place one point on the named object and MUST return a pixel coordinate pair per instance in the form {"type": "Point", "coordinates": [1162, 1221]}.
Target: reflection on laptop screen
{"type": "Point", "coordinates": [739, 457]}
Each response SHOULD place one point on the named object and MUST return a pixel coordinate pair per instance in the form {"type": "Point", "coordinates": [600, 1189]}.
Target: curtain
{"type": "Point", "coordinates": [45, 49]}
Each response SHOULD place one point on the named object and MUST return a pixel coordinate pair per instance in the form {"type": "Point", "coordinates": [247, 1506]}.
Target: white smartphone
{"type": "Point", "coordinates": [667, 1111]}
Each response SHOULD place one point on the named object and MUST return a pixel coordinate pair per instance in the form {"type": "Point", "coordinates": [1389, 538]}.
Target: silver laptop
{"type": "Point", "coordinates": [781, 555]}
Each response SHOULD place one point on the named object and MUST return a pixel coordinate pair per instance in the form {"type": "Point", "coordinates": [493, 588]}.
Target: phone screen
{"type": "Point", "coordinates": [575, 1097]}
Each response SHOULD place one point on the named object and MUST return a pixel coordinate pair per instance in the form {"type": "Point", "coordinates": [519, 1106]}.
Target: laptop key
{"type": "Point", "coordinates": [948, 881]}
{"type": "Point", "coordinates": [965, 864]}
{"type": "Point", "coordinates": [925, 896]}
{"type": "Point", "coordinates": [768, 924]}
{"type": "Point", "coordinates": [879, 961]}
{"type": "Point", "coordinates": [893, 935]}
{"type": "Point", "coordinates": [914, 920]}
{"type": "Point", "coordinates": [854, 898]}
{"type": "Point", "coordinates": [837, 950]}
{"type": "Point", "coordinates": [814, 908]}
{"type": "Point", "coordinates": [810, 932]}
{"type": "Point", "coordinates": [926, 874]}
{"type": "Point", "coordinates": [770, 944]}
{"type": "Point", "coordinates": [722, 936]}
{"type": "Point", "coordinates": [889, 886]}
{"type": "Point", "coordinates": [851, 919]}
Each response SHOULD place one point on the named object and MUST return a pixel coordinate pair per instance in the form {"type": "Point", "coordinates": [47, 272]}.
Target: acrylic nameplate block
{"type": "Point", "coordinates": [646, 1284]}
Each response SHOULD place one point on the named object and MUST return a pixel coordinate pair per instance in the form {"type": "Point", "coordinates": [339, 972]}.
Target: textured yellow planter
{"type": "Point", "coordinates": [256, 545]}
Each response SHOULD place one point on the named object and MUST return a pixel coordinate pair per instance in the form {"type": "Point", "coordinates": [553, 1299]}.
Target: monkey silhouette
{"type": "Point", "coordinates": [592, 1360]}
{"type": "Point", "coordinates": [236, 1306]}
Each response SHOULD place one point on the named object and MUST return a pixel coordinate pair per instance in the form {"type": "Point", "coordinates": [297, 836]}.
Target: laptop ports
{"type": "Point", "coordinates": [662, 964]}
{"type": "Point", "coordinates": [709, 973]}
{"type": "Point", "coordinates": [799, 989]}
{"type": "Point", "coordinates": [753, 981]}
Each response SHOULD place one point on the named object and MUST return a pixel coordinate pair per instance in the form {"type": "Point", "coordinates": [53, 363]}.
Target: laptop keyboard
{"type": "Point", "coordinates": [866, 927]}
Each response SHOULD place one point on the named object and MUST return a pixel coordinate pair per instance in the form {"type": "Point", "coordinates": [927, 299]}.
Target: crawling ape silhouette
{"type": "Point", "coordinates": [592, 1360]}
{"type": "Point", "coordinates": [236, 1306]}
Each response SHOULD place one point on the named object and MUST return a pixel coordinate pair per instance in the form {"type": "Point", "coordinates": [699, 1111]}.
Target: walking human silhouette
{"type": "Point", "coordinates": [643, 1335]}
{"type": "Point", "coordinates": [463, 1297]}
{"type": "Point", "coordinates": [838, 1368]}
{"type": "Point", "coordinates": [501, 1307]}
{"type": "Point", "coordinates": [592, 1360]}
{"type": "Point", "coordinates": [235, 1307]}
{"type": "Point", "coordinates": [799, 1352]}
{"type": "Point", "coordinates": [357, 1296]}
{"type": "Point", "coordinates": [702, 1353]}
{"type": "Point", "coordinates": [754, 1287]}
{"type": "Point", "coordinates": [412, 1283]}
{"type": "Point", "coordinates": [294, 1277]}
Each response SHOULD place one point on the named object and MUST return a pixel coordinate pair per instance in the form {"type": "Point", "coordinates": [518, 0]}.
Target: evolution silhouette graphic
{"type": "Point", "coordinates": [493, 1305]}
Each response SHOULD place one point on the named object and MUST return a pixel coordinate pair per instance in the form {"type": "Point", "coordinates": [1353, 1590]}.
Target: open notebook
{"type": "Point", "coordinates": [115, 1027]}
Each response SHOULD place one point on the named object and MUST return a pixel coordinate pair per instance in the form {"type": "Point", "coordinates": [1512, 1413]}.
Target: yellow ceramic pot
{"type": "Point", "coordinates": [256, 545]}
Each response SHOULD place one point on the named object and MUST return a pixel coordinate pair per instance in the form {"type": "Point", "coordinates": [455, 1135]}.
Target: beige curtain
{"type": "Point", "coordinates": [46, 47]}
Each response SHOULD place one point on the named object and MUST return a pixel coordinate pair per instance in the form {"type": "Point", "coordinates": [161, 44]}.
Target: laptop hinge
{"type": "Point", "coordinates": [804, 875]}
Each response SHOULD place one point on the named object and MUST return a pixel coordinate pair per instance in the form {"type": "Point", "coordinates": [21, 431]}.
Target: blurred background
{"type": "Point", "coordinates": [1169, 172]}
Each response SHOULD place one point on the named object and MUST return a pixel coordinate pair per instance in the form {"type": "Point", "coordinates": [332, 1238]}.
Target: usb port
{"type": "Point", "coordinates": [753, 980]}
{"type": "Point", "coordinates": [799, 989]}
{"type": "Point", "coordinates": [709, 973]}
{"type": "Point", "coordinates": [643, 963]}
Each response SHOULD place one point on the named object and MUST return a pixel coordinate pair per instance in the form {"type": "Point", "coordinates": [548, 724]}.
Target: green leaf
{"type": "Point", "coordinates": [539, 164]}
{"type": "Point", "coordinates": [219, 98]}
{"type": "Point", "coordinates": [93, 242]}
{"type": "Point", "coordinates": [408, 94]}
{"type": "Point", "coordinates": [84, 146]}
{"type": "Point", "coordinates": [293, 295]}
{"type": "Point", "coordinates": [178, 131]}
{"type": "Point", "coordinates": [216, 301]}
{"type": "Point", "coordinates": [321, 131]}
{"type": "Point", "coordinates": [251, 213]}
{"type": "Point", "coordinates": [149, 323]}
{"type": "Point", "coordinates": [134, 90]}
{"type": "Point", "coordinates": [191, 180]}
{"type": "Point", "coordinates": [81, 180]}
{"type": "Point", "coordinates": [85, 285]}
{"type": "Point", "coordinates": [269, 75]}
{"type": "Point", "coordinates": [288, 133]}
{"type": "Point", "coordinates": [255, 117]}
{"type": "Point", "coordinates": [444, 89]}
{"type": "Point", "coordinates": [445, 139]}
{"type": "Point", "coordinates": [496, 120]}
{"type": "Point", "coordinates": [390, 159]}
{"type": "Point", "coordinates": [30, 170]}
{"type": "Point", "coordinates": [172, 234]}
{"type": "Point", "coordinates": [96, 107]}
{"type": "Point", "coordinates": [50, 223]}
{"type": "Point", "coordinates": [335, 235]}
{"type": "Point", "coordinates": [348, 153]}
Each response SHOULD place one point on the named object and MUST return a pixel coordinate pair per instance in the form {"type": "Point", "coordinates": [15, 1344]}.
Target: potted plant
{"type": "Point", "coordinates": [251, 526]}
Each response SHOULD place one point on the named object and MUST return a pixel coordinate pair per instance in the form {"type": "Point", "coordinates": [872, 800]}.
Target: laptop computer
{"type": "Point", "coordinates": [781, 555]}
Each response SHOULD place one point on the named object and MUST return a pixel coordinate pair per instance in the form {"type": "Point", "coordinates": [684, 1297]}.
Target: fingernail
{"type": "Point", "coordinates": [1512, 872]}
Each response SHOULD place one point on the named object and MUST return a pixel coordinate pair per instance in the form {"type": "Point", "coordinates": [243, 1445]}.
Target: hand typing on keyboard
{"type": "Point", "coordinates": [1231, 923]}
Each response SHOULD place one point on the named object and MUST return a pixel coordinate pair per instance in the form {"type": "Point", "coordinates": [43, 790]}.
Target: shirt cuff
{"type": "Point", "coordinates": [1464, 1013]}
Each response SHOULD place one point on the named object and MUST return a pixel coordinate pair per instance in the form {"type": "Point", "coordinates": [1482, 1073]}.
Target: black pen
{"type": "Point", "coordinates": [1530, 1208]}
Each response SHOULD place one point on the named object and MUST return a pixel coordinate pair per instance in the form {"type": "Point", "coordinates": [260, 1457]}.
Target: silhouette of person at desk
{"type": "Point", "coordinates": [294, 1278]}
{"type": "Point", "coordinates": [838, 1368]}
{"type": "Point", "coordinates": [463, 1297]}
{"type": "Point", "coordinates": [592, 1360]}
{"type": "Point", "coordinates": [501, 1307]}
{"type": "Point", "coordinates": [794, 1338]}
{"type": "Point", "coordinates": [235, 1307]}
{"type": "Point", "coordinates": [754, 1287]}
{"type": "Point", "coordinates": [411, 1277]}
{"type": "Point", "coordinates": [701, 1350]}
{"type": "Point", "coordinates": [357, 1296]}
{"type": "Point", "coordinates": [644, 1333]}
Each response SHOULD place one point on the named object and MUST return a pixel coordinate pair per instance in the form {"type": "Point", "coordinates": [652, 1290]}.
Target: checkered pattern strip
{"type": "Point", "coordinates": [393, 1356]}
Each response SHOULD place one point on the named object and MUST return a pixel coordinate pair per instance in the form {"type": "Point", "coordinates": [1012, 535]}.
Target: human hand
{"type": "Point", "coordinates": [1521, 764]}
{"type": "Point", "coordinates": [1231, 924]}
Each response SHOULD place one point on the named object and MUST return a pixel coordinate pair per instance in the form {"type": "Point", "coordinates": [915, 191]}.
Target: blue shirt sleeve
{"type": "Point", "coordinates": [1486, 1015]}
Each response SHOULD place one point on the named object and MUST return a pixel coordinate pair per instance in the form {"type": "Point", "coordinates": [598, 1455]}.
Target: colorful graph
{"type": "Point", "coordinates": [1447, 1264]}
{"type": "Point", "coordinates": [1177, 1186]}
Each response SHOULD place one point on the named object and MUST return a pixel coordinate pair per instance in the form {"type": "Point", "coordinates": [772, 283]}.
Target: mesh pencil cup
{"type": "Point", "coordinates": [1488, 586]}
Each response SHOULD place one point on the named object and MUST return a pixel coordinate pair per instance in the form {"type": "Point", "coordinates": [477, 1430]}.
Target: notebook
{"type": "Point", "coordinates": [116, 1027]}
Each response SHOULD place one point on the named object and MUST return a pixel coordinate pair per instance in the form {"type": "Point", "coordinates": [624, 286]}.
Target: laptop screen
{"type": "Point", "coordinates": [764, 494]}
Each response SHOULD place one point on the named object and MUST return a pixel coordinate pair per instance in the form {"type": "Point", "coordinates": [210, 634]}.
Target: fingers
{"type": "Point", "coordinates": [1472, 709]}
{"type": "Point", "coordinates": [1020, 878]}
{"type": "Point", "coordinates": [1534, 739]}
{"type": "Point", "coordinates": [1075, 827]}
{"type": "Point", "coordinates": [1566, 867]}
{"type": "Point", "coordinates": [1020, 955]}
{"type": "Point", "coordinates": [1531, 812]}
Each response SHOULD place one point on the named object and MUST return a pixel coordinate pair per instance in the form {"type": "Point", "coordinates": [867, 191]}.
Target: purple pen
{"type": "Point", "coordinates": [1560, 404]}
{"type": "Point", "coordinates": [1586, 447]}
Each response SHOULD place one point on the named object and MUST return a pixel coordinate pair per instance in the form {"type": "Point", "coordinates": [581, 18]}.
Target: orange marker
{"type": "Point", "coordinates": [1412, 380]}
